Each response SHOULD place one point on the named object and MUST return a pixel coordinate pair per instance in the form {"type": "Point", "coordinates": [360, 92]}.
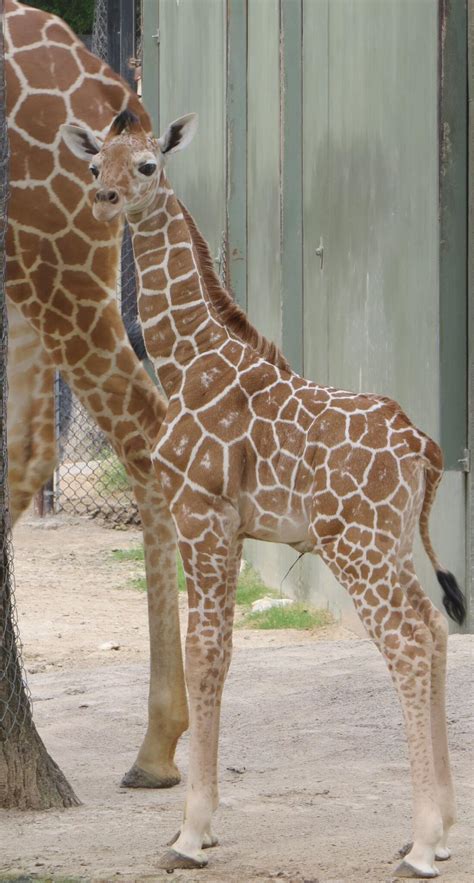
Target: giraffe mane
{"type": "Point", "coordinates": [125, 121]}
{"type": "Point", "coordinates": [232, 316]}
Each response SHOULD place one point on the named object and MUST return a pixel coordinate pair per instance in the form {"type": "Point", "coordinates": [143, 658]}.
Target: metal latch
{"type": "Point", "coordinates": [465, 461]}
{"type": "Point", "coordinates": [319, 251]}
{"type": "Point", "coordinates": [156, 37]}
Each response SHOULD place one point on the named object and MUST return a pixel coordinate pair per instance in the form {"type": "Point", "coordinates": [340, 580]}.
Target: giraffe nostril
{"type": "Point", "coordinates": [107, 196]}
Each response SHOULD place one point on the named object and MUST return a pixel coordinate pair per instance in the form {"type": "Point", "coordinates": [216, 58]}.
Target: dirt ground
{"type": "Point", "coordinates": [313, 765]}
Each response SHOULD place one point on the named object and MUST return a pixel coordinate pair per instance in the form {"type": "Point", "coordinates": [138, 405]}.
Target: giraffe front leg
{"type": "Point", "coordinates": [204, 677]}
{"type": "Point", "coordinates": [235, 557]}
{"type": "Point", "coordinates": [207, 560]}
{"type": "Point", "coordinates": [167, 702]}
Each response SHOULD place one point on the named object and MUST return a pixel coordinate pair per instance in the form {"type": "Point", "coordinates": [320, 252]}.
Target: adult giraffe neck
{"type": "Point", "coordinates": [177, 323]}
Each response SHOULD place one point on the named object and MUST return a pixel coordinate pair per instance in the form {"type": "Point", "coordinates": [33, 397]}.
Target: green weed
{"type": "Point", "coordinates": [295, 616]}
{"type": "Point", "coordinates": [137, 554]}
{"type": "Point", "coordinates": [250, 588]}
{"type": "Point", "coordinates": [112, 474]}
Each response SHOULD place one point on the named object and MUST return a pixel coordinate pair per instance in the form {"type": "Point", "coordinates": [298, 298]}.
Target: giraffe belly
{"type": "Point", "coordinates": [271, 523]}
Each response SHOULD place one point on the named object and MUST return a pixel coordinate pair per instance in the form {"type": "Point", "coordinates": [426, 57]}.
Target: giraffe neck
{"type": "Point", "coordinates": [177, 323]}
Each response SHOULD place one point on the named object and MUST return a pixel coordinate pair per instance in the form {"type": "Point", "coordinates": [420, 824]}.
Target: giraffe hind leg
{"type": "Point", "coordinates": [406, 644]}
{"type": "Point", "coordinates": [438, 627]}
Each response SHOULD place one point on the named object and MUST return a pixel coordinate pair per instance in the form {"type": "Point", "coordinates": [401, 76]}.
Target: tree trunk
{"type": "Point", "coordinates": [29, 778]}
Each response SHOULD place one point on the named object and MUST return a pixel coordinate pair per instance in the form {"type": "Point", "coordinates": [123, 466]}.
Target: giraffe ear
{"type": "Point", "coordinates": [179, 134]}
{"type": "Point", "coordinates": [81, 142]}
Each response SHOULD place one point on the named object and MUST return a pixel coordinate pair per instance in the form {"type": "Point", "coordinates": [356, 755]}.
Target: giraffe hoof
{"type": "Point", "coordinates": [172, 860]}
{"type": "Point", "coordinates": [208, 843]}
{"type": "Point", "coordinates": [138, 778]}
{"type": "Point", "coordinates": [442, 853]}
{"type": "Point", "coordinates": [407, 870]}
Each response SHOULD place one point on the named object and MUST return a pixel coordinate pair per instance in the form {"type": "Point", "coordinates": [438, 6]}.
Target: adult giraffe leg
{"type": "Point", "coordinates": [438, 627]}
{"type": "Point", "coordinates": [99, 365]}
{"type": "Point", "coordinates": [31, 416]}
{"type": "Point", "coordinates": [208, 547]}
{"type": "Point", "coordinates": [130, 435]}
{"type": "Point", "coordinates": [167, 701]}
{"type": "Point", "coordinates": [407, 647]}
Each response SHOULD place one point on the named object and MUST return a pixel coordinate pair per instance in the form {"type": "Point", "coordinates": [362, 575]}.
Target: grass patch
{"type": "Point", "coordinates": [112, 474]}
{"type": "Point", "coordinates": [250, 588]}
{"type": "Point", "coordinates": [295, 616]}
{"type": "Point", "coordinates": [137, 555]}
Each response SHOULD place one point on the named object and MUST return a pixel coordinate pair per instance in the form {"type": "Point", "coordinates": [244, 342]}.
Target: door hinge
{"type": "Point", "coordinates": [465, 461]}
{"type": "Point", "coordinates": [156, 37]}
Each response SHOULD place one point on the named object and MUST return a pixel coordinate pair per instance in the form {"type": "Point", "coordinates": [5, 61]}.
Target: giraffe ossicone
{"type": "Point", "coordinates": [250, 449]}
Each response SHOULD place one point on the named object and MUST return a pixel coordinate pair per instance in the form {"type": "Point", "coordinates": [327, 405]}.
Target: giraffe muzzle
{"type": "Point", "coordinates": [109, 196]}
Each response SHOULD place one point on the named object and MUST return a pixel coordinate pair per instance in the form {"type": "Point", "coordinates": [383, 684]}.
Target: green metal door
{"type": "Point", "coordinates": [318, 154]}
{"type": "Point", "coordinates": [184, 71]}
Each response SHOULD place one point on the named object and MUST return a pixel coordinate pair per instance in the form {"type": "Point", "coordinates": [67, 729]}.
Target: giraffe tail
{"type": "Point", "coordinates": [453, 598]}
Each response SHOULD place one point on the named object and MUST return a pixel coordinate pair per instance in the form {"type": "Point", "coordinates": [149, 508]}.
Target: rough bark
{"type": "Point", "coordinates": [29, 777]}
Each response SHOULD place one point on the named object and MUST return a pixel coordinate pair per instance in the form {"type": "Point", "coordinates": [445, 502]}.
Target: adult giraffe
{"type": "Point", "coordinates": [62, 273]}
{"type": "Point", "coordinates": [61, 284]}
{"type": "Point", "coordinates": [250, 449]}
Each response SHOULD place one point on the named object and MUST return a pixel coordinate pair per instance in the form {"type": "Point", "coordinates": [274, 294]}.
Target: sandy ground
{"type": "Point", "coordinates": [313, 762]}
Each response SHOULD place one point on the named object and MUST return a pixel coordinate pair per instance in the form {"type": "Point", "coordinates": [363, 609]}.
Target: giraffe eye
{"type": "Point", "coordinates": [95, 171]}
{"type": "Point", "coordinates": [147, 168]}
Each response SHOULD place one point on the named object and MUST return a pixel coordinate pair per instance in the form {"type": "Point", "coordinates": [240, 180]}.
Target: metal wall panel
{"type": "Point", "coordinates": [470, 312]}
{"type": "Point", "coordinates": [453, 230]}
{"type": "Point", "coordinates": [315, 187]}
{"type": "Point", "coordinates": [382, 219]}
{"type": "Point", "coordinates": [192, 78]}
{"type": "Point", "coordinates": [338, 189]}
{"type": "Point", "coordinates": [263, 168]}
{"type": "Point", "coordinates": [291, 170]}
{"type": "Point", "coordinates": [151, 61]}
{"type": "Point", "coordinates": [236, 108]}
{"type": "Point", "coordinates": [370, 198]}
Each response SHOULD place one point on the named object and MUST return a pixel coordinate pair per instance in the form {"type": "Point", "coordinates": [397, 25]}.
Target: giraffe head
{"type": "Point", "coordinates": [127, 166]}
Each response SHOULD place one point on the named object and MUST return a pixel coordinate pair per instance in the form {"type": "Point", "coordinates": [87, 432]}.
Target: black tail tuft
{"type": "Point", "coordinates": [136, 339]}
{"type": "Point", "coordinates": [454, 601]}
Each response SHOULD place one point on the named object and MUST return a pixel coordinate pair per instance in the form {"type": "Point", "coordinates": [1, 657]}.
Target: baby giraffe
{"type": "Point", "coordinates": [250, 449]}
